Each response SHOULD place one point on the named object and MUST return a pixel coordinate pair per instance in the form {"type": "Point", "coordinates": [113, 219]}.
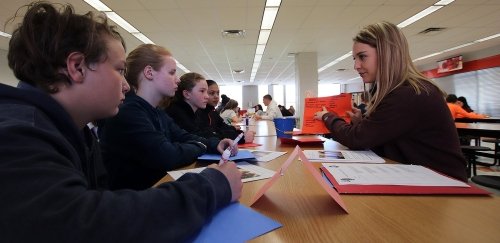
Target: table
{"type": "Point", "coordinates": [491, 130]}
{"type": "Point", "coordinates": [309, 214]}
{"type": "Point", "coordinates": [476, 120]}
{"type": "Point", "coordinates": [262, 128]}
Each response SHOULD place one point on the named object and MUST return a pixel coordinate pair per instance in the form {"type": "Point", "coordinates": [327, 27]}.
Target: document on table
{"type": "Point", "coordinates": [339, 104]}
{"type": "Point", "coordinates": [265, 156]}
{"type": "Point", "coordinates": [249, 172]}
{"type": "Point", "coordinates": [350, 156]}
{"type": "Point", "coordinates": [242, 154]}
{"type": "Point", "coordinates": [389, 174]}
{"type": "Point", "coordinates": [236, 223]}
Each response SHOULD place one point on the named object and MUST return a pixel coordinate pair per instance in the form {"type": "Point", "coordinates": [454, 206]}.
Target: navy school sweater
{"type": "Point", "coordinates": [49, 191]}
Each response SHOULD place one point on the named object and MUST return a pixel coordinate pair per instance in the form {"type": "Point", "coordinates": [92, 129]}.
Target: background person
{"type": "Point", "coordinates": [272, 110]}
{"type": "Point", "coordinates": [230, 113]}
{"type": "Point", "coordinates": [457, 111]}
{"type": "Point", "coordinates": [210, 123]}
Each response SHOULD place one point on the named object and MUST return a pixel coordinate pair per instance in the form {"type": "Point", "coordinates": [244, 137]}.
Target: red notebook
{"type": "Point", "coordinates": [391, 189]}
{"type": "Point", "coordinates": [249, 145]}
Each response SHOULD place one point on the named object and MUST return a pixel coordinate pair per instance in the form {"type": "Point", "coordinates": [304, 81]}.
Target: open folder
{"type": "Point", "coordinates": [339, 104]}
{"type": "Point", "coordinates": [393, 179]}
{"type": "Point", "coordinates": [236, 223]}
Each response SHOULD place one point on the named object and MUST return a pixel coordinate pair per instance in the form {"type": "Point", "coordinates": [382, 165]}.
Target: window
{"type": "Point", "coordinates": [278, 95]}
{"type": "Point", "coordinates": [233, 92]}
{"type": "Point", "coordinates": [328, 90]}
{"type": "Point", "coordinates": [262, 90]}
{"type": "Point", "coordinates": [290, 96]}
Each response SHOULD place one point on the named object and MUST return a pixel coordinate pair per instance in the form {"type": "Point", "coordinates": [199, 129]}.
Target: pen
{"type": "Point", "coordinates": [225, 156]}
{"type": "Point", "coordinates": [227, 152]}
{"type": "Point", "coordinates": [237, 139]}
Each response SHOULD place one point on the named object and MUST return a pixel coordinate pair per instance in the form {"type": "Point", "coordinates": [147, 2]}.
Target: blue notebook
{"type": "Point", "coordinates": [242, 154]}
{"type": "Point", "coordinates": [236, 223]}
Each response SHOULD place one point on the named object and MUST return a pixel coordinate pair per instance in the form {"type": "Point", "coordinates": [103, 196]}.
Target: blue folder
{"type": "Point", "coordinates": [236, 223]}
{"type": "Point", "coordinates": [242, 154]}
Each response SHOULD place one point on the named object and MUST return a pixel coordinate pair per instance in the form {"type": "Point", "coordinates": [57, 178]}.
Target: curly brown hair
{"type": "Point", "coordinates": [41, 43]}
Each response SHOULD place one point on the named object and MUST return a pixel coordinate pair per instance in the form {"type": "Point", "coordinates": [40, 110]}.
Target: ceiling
{"type": "Point", "coordinates": [191, 30]}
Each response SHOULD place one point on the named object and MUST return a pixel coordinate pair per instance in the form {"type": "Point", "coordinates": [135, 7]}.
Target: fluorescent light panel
{"type": "Point", "coordinates": [263, 36]}
{"type": "Point", "coordinates": [257, 58]}
{"type": "Point", "coordinates": [403, 24]}
{"type": "Point", "coordinates": [488, 38]}
{"type": "Point", "coordinates": [260, 49]}
{"type": "Point", "coordinates": [430, 55]}
{"type": "Point", "coordinates": [335, 61]}
{"type": "Point", "coordinates": [121, 22]}
{"type": "Point", "coordinates": [273, 3]}
{"type": "Point", "coordinates": [418, 16]}
{"type": "Point", "coordinates": [458, 47]}
{"type": "Point", "coordinates": [179, 65]}
{"type": "Point", "coordinates": [98, 5]}
{"type": "Point", "coordinates": [443, 2]}
{"type": "Point", "coordinates": [424, 13]}
{"type": "Point", "coordinates": [143, 38]}
{"type": "Point", "coordinates": [268, 18]}
{"type": "Point", "coordinates": [5, 34]}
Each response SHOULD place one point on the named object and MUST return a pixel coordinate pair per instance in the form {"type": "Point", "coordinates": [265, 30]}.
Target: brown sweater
{"type": "Point", "coordinates": [407, 128]}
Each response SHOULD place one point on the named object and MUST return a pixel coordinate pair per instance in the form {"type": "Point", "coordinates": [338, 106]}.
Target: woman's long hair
{"type": "Point", "coordinates": [394, 63]}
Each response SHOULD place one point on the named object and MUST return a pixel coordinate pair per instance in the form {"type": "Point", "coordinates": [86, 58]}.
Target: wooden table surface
{"type": "Point", "coordinates": [309, 214]}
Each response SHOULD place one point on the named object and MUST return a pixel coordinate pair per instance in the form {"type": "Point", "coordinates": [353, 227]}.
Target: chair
{"type": "Point", "coordinates": [487, 180]}
{"type": "Point", "coordinates": [496, 159]}
{"type": "Point", "coordinates": [470, 153]}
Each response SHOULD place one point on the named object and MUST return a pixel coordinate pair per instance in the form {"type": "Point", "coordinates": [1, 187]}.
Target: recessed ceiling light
{"type": "Point", "coordinates": [233, 33]}
{"type": "Point", "coordinates": [238, 70]}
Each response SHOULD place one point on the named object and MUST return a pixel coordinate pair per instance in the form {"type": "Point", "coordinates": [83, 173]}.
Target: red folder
{"type": "Point", "coordinates": [391, 189]}
{"type": "Point", "coordinates": [249, 145]}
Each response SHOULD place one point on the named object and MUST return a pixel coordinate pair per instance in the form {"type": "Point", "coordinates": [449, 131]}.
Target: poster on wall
{"type": "Point", "coordinates": [450, 64]}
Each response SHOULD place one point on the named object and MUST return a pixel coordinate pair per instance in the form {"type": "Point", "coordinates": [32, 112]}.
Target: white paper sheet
{"type": "Point", "coordinates": [249, 172]}
{"type": "Point", "coordinates": [350, 156]}
{"type": "Point", "coordinates": [265, 156]}
{"type": "Point", "coordinates": [389, 174]}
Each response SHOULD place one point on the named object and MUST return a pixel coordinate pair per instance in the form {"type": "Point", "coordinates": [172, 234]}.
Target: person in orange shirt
{"type": "Point", "coordinates": [457, 111]}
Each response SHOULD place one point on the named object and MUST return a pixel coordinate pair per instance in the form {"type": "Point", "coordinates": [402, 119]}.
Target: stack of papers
{"type": "Point", "coordinates": [350, 156]}
{"type": "Point", "coordinates": [389, 174]}
{"type": "Point", "coordinates": [265, 156]}
{"type": "Point", "coordinates": [249, 172]}
{"type": "Point", "coordinates": [394, 179]}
